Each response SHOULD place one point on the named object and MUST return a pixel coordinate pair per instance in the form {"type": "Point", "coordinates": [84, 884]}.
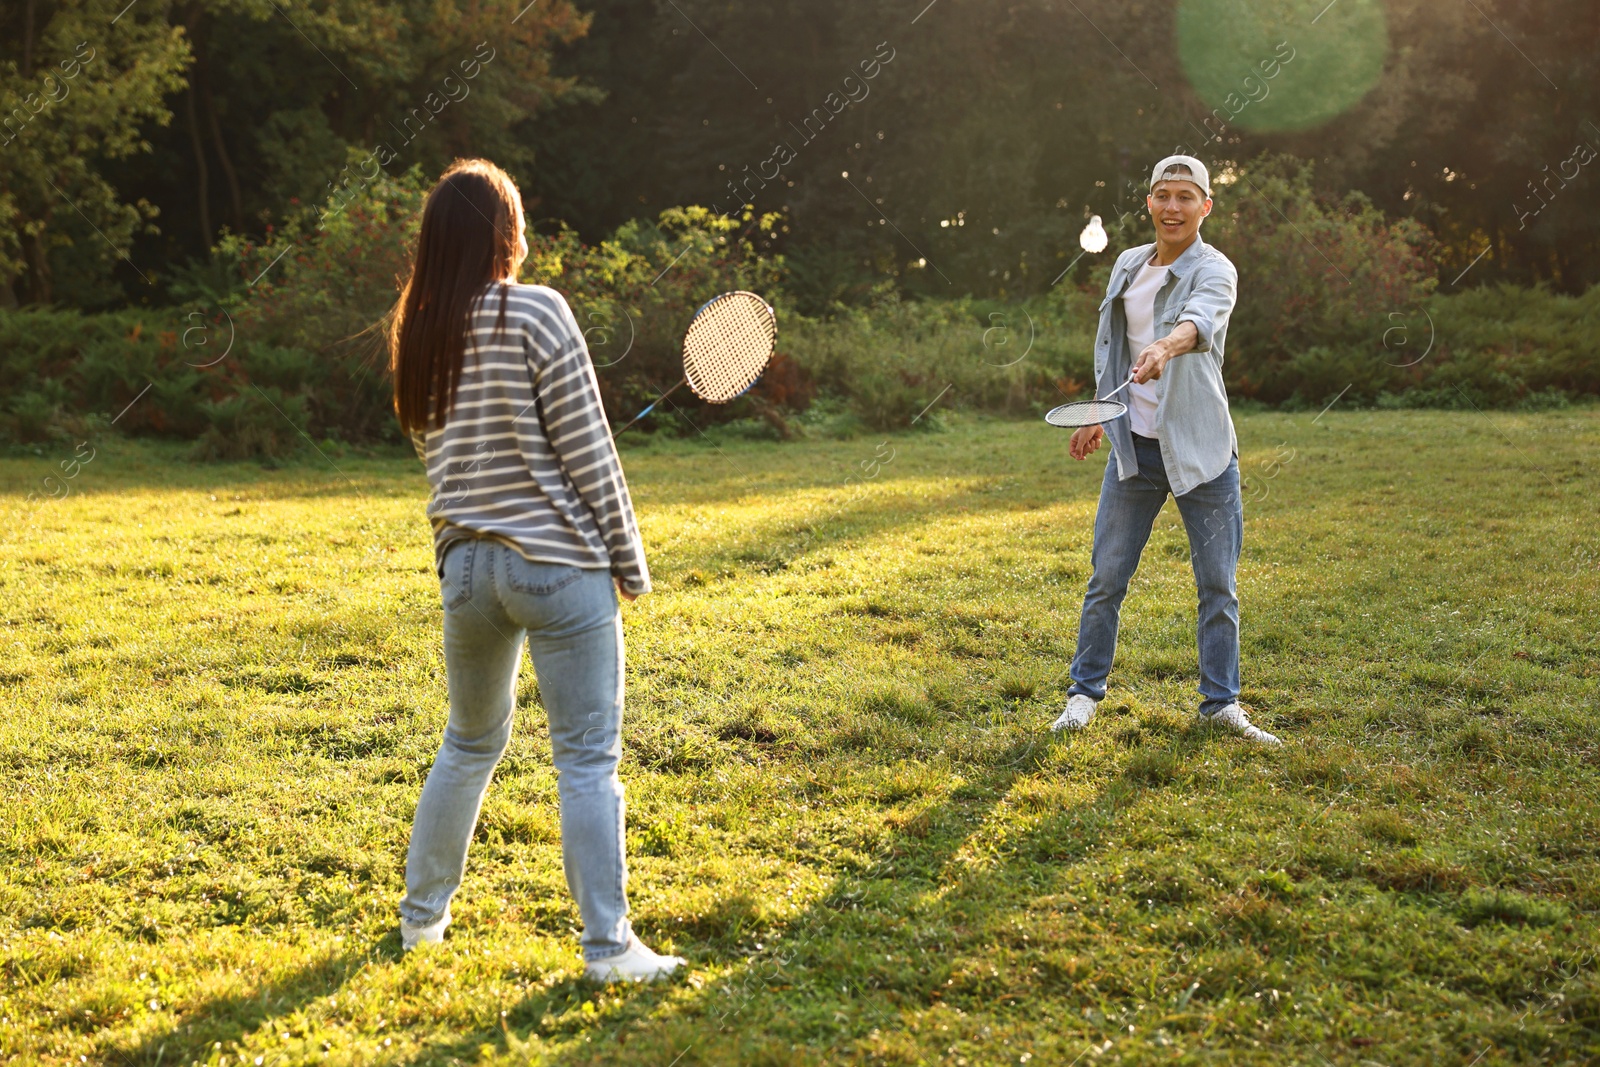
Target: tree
{"type": "Point", "coordinates": [987, 134]}
{"type": "Point", "coordinates": [76, 85]}
{"type": "Point", "coordinates": [1025, 118]}
{"type": "Point", "coordinates": [270, 98]}
{"type": "Point", "coordinates": [282, 93]}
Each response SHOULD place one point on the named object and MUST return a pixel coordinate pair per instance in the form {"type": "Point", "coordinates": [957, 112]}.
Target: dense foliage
{"type": "Point", "coordinates": [76, 102]}
{"type": "Point", "coordinates": [918, 233]}
{"type": "Point", "coordinates": [1320, 283]}
{"type": "Point", "coordinates": [279, 342]}
{"type": "Point", "coordinates": [274, 345]}
{"type": "Point", "coordinates": [220, 113]}
{"type": "Point", "coordinates": [976, 137]}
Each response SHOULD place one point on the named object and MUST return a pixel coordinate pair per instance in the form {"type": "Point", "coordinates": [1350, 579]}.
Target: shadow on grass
{"type": "Point", "coordinates": [229, 1019]}
{"type": "Point", "coordinates": [882, 939]}
{"type": "Point", "coordinates": [826, 977]}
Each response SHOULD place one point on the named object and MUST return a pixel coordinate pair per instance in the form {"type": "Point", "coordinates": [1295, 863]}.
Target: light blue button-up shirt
{"type": "Point", "coordinates": [1192, 420]}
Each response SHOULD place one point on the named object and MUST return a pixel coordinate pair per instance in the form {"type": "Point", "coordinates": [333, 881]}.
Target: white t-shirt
{"type": "Point", "coordinates": [1139, 305]}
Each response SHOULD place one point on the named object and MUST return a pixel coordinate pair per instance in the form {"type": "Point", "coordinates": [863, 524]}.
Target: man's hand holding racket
{"type": "Point", "coordinates": [1086, 417]}
{"type": "Point", "coordinates": [1156, 355]}
{"type": "Point", "coordinates": [1152, 361]}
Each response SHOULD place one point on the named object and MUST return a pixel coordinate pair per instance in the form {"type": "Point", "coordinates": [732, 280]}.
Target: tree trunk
{"type": "Point", "coordinates": [235, 199]}
{"type": "Point", "coordinates": [38, 260]}
{"type": "Point", "coordinates": [203, 178]}
{"type": "Point", "coordinates": [202, 75]}
{"type": "Point", "coordinates": [27, 40]}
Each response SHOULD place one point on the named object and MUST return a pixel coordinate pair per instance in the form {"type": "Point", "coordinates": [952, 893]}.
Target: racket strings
{"type": "Point", "coordinates": [728, 345]}
{"type": "Point", "coordinates": [1085, 413]}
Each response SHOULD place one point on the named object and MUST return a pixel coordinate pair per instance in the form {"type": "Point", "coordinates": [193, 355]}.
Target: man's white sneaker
{"type": "Point", "coordinates": [1080, 709]}
{"type": "Point", "coordinates": [1233, 718]}
{"type": "Point", "coordinates": [432, 934]}
{"type": "Point", "coordinates": [637, 964]}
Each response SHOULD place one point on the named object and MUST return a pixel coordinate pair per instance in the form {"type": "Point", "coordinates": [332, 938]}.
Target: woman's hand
{"type": "Point", "coordinates": [623, 593]}
{"type": "Point", "coordinates": [1085, 440]}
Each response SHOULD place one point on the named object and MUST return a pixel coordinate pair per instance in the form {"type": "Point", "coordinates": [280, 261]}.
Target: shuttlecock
{"type": "Point", "coordinates": [1093, 237]}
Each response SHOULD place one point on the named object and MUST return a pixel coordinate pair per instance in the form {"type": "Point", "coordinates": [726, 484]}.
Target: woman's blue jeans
{"type": "Point", "coordinates": [1213, 515]}
{"type": "Point", "coordinates": [494, 600]}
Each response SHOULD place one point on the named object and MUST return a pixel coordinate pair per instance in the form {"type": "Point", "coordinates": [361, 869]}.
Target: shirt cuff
{"type": "Point", "coordinates": [1204, 329]}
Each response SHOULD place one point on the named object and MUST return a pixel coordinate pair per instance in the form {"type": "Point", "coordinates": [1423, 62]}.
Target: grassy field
{"type": "Point", "coordinates": [223, 687]}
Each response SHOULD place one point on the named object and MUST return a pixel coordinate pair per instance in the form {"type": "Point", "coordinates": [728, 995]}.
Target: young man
{"type": "Point", "coordinates": [1165, 315]}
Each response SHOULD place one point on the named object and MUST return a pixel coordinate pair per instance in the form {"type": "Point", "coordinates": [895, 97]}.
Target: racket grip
{"type": "Point", "coordinates": [647, 410]}
{"type": "Point", "coordinates": [616, 433]}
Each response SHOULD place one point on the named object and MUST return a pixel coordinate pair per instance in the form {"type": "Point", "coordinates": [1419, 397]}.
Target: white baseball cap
{"type": "Point", "coordinates": [1197, 173]}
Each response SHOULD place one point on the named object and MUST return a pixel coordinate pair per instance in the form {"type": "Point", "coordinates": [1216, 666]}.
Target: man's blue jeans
{"type": "Point", "coordinates": [494, 599]}
{"type": "Point", "coordinates": [1213, 515]}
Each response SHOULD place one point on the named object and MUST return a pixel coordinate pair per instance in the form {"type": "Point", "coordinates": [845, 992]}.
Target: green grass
{"type": "Point", "coordinates": [223, 687]}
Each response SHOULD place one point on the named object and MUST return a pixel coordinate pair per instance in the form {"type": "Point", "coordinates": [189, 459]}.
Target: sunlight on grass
{"type": "Point", "coordinates": [223, 688]}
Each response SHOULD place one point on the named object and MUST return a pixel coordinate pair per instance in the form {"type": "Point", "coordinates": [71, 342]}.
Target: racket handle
{"type": "Point", "coordinates": [1119, 388]}
{"type": "Point", "coordinates": [649, 409]}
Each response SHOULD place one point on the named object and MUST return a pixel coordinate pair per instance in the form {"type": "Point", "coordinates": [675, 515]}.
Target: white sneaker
{"type": "Point", "coordinates": [637, 964]}
{"type": "Point", "coordinates": [1080, 709]}
{"type": "Point", "coordinates": [1233, 718]}
{"type": "Point", "coordinates": [432, 934]}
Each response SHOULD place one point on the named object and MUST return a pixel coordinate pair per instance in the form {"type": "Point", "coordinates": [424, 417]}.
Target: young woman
{"type": "Point", "coordinates": [532, 526]}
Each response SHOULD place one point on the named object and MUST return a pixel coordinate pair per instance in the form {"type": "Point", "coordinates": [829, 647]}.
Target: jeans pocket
{"type": "Point", "coordinates": [538, 579]}
{"type": "Point", "coordinates": [555, 599]}
{"type": "Point", "coordinates": [455, 573]}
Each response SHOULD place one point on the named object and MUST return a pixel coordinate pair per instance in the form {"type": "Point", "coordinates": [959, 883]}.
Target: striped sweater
{"type": "Point", "coordinates": [525, 456]}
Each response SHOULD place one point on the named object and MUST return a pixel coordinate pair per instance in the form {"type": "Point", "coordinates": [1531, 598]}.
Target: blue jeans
{"type": "Point", "coordinates": [494, 600]}
{"type": "Point", "coordinates": [1213, 515]}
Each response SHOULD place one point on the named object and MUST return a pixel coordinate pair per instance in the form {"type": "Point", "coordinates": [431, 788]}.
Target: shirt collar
{"type": "Point", "coordinates": [1188, 258]}
{"type": "Point", "coordinates": [1180, 266]}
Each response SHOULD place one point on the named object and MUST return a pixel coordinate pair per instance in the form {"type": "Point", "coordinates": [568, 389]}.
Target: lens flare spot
{"type": "Point", "coordinates": [1277, 65]}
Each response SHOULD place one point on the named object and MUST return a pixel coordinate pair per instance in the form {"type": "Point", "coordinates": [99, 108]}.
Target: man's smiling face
{"type": "Point", "coordinates": [1176, 208]}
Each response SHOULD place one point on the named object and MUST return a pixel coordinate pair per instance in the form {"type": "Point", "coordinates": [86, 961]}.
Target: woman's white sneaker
{"type": "Point", "coordinates": [1233, 718]}
{"type": "Point", "coordinates": [1080, 709]}
{"type": "Point", "coordinates": [432, 934]}
{"type": "Point", "coordinates": [637, 964]}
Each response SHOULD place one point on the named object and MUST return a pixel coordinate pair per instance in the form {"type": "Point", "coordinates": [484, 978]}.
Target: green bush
{"type": "Point", "coordinates": [327, 296]}
{"type": "Point", "coordinates": [148, 372]}
{"type": "Point", "coordinates": [308, 305]}
{"type": "Point", "coordinates": [276, 343]}
{"type": "Point", "coordinates": [63, 370]}
{"type": "Point", "coordinates": [635, 293]}
{"type": "Point", "coordinates": [279, 342]}
{"type": "Point", "coordinates": [256, 423]}
{"type": "Point", "coordinates": [1502, 346]}
{"type": "Point", "coordinates": [891, 362]}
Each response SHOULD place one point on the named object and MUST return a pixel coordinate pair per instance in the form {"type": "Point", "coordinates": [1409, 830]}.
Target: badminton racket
{"type": "Point", "coordinates": [725, 349]}
{"type": "Point", "coordinates": [1089, 412]}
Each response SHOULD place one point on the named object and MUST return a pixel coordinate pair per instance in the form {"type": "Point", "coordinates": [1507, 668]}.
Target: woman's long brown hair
{"type": "Point", "coordinates": [471, 223]}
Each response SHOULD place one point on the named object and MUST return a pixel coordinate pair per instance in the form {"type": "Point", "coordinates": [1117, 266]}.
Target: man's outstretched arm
{"type": "Point", "coordinates": [1207, 310]}
{"type": "Point", "coordinates": [1154, 359]}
